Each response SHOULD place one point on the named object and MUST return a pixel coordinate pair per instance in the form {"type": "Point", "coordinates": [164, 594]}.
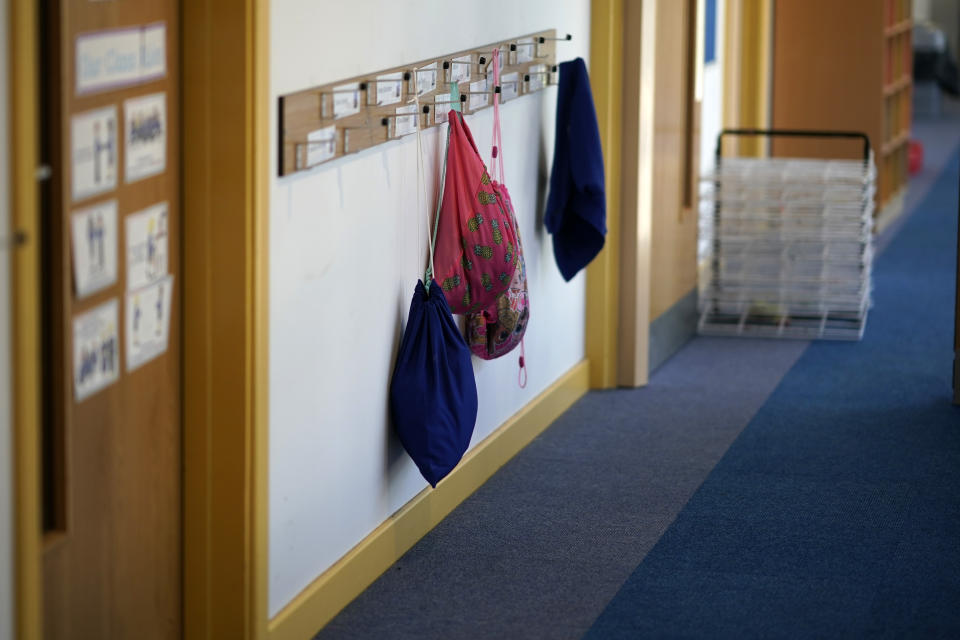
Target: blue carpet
{"type": "Point", "coordinates": [540, 549]}
{"type": "Point", "coordinates": [836, 512]}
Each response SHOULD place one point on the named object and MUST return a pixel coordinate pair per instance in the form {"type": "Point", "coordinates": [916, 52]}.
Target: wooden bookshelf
{"type": "Point", "coordinates": [846, 65]}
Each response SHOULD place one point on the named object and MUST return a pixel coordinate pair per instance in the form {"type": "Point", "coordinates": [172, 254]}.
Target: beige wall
{"type": "Point", "coordinates": [673, 268]}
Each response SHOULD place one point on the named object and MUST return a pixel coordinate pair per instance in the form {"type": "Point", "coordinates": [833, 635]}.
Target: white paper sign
{"type": "Point", "coordinates": [346, 100]}
{"type": "Point", "coordinates": [460, 68]}
{"type": "Point", "coordinates": [426, 79]}
{"type": "Point", "coordinates": [93, 143]}
{"type": "Point", "coordinates": [94, 235]}
{"type": "Point", "coordinates": [147, 233]}
{"type": "Point", "coordinates": [389, 88]}
{"type": "Point", "coordinates": [478, 95]}
{"type": "Point", "coordinates": [153, 58]}
{"type": "Point", "coordinates": [509, 86]}
{"type": "Point", "coordinates": [538, 77]}
{"type": "Point", "coordinates": [406, 125]}
{"type": "Point", "coordinates": [120, 57]}
{"type": "Point", "coordinates": [108, 59]}
{"type": "Point", "coordinates": [148, 322]}
{"type": "Point", "coordinates": [441, 105]}
{"type": "Point", "coordinates": [321, 145]}
{"type": "Point", "coordinates": [145, 126]}
{"type": "Point", "coordinates": [525, 47]}
{"type": "Point", "coordinates": [96, 350]}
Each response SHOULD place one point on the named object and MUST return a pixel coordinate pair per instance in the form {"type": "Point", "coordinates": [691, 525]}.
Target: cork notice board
{"type": "Point", "coordinates": [111, 438]}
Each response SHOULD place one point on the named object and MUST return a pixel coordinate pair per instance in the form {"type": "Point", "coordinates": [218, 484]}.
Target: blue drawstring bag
{"type": "Point", "coordinates": [576, 212]}
{"type": "Point", "coordinates": [433, 394]}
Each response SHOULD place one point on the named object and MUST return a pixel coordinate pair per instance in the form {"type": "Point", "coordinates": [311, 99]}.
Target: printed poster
{"type": "Point", "coordinates": [96, 350]}
{"type": "Point", "coordinates": [145, 127]}
{"type": "Point", "coordinates": [147, 316]}
{"type": "Point", "coordinates": [93, 144]}
{"type": "Point", "coordinates": [389, 88]}
{"type": "Point", "coordinates": [147, 234]}
{"type": "Point", "coordinates": [94, 236]}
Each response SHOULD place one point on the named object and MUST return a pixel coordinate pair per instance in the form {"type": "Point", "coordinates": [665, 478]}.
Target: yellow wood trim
{"type": "Point", "coordinates": [353, 573]}
{"type": "Point", "coordinates": [259, 559]}
{"type": "Point", "coordinates": [756, 68]}
{"type": "Point", "coordinates": [225, 191]}
{"type": "Point", "coordinates": [603, 278]}
{"type": "Point", "coordinates": [732, 50]}
{"type": "Point", "coordinates": [24, 110]}
{"type": "Point", "coordinates": [635, 214]}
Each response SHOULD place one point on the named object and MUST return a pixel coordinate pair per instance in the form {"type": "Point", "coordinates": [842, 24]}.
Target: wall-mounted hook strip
{"type": "Point", "coordinates": [361, 87]}
{"type": "Point", "coordinates": [318, 124]}
{"type": "Point", "coordinates": [406, 76]}
{"type": "Point", "coordinates": [479, 93]}
{"type": "Point", "coordinates": [540, 72]}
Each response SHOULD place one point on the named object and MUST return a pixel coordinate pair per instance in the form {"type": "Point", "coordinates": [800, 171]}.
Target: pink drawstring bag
{"type": "Point", "coordinates": [476, 242]}
{"type": "Point", "coordinates": [491, 336]}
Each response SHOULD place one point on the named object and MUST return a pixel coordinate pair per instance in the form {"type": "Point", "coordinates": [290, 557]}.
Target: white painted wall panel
{"type": "Point", "coordinates": [347, 244]}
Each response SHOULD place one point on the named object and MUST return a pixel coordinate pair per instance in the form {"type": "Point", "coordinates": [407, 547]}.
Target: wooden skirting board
{"type": "Point", "coordinates": [338, 586]}
{"type": "Point", "coordinates": [890, 211]}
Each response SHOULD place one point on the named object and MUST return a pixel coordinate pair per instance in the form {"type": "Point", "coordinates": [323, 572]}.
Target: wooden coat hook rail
{"type": "Point", "coordinates": [326, 122]}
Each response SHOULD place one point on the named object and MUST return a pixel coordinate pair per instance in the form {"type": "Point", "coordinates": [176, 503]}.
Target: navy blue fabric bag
{"type": "Point", "coordinates": [433, 394]}
{"type": "Point", "coordinates": [577, 206]}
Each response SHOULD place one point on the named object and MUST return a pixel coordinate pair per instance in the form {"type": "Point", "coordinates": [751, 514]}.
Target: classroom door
{"type": "Point", "coordinates": [111, 335]}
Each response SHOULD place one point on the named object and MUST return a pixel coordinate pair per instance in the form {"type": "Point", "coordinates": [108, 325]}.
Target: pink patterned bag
{"type": "Point", "coordinates": [476, 242]}
{"type": "Point", "coordinates": [491, 336]}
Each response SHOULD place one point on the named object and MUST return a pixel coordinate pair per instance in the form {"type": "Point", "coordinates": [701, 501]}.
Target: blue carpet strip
{"type": "Point", "coordinates": [540, 549]}
{"type": "Point", "coordinates": [836, 512]}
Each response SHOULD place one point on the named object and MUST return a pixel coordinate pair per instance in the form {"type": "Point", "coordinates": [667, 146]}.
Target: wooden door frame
{"type": "Point", "coordinates": [602, 339]}
{"type": "Point", "coordinates": [25, 271]}
{"type": "Point", "coordinates": [225, 202]}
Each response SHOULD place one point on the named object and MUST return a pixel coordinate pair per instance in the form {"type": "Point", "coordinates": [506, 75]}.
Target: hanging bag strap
{"type": "Point", "coordinates": [454, 91]}
{"type": "Point", "coordinates": [496, 170]}
{"type": "Point", "coordinates": [496, 160]}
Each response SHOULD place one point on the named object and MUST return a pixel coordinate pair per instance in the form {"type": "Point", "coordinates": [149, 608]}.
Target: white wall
{"type": "Point", "coordinates": [711, 120]}
{"type": "Point", "coordinates": [6, 466]}
{"type": "Point", "coordinates": [347, 244]}
{"type": "Point", "coordinates": [711, 111]}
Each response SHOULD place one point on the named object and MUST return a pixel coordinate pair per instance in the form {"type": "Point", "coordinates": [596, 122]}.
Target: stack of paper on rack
{"type": "Point", "coordinates": [789, 248]}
